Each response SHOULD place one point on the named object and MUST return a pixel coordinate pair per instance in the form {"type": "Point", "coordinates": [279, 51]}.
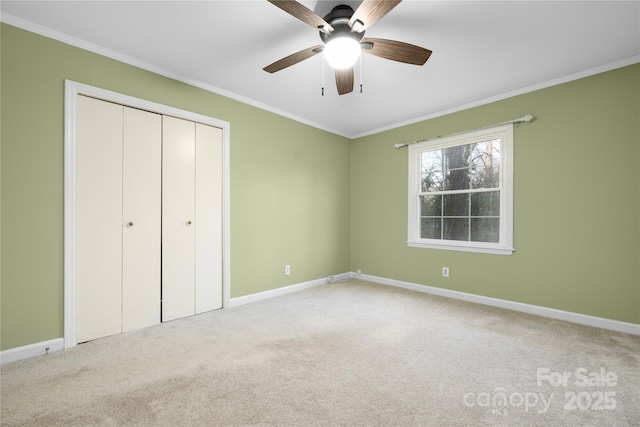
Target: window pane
{"type": "Point", "coordinates": [431, 206]}
{"type": "Point", "coordinates": [457, 162]}
{"type": "Point", "coordinates": [485, 230]}
{"type": "Point", "coordinates": [457, 157]}
{"type": "Point", "coordinates": [432, 177]}
{"type": "Point", "coordinates": [430, 228]}
{"type": "Point", "coordinates": [458, 179]}
{"type": "Point", "coordinates": [485, 153]}
{"type": "Point", "coordinates": [456, 205]}
{"type": "Point", "coordinates": [456, 228]}
{"type": "Point", "coordinates": [485, 177]}
{"type": "Point", "coordinates": [432, 181]}
{"type": "Point", "coordinates": [485, 204]}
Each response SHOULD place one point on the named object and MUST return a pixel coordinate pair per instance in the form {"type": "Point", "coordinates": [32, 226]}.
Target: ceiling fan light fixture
{"type": "Point", "coordinates": [342, 52]}
{"type": "Point", "coordinates": [342, 34]}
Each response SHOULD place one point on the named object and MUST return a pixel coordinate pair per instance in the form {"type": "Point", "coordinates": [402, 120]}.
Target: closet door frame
{"type": "Point", "coordinates": [72, 90]}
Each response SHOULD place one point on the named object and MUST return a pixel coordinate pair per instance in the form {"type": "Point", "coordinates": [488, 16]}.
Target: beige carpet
{"type": "Point", "coordinates": [347, 354]}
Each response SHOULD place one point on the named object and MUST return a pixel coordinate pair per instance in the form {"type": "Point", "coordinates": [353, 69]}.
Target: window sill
{"type": "Point", "coordinates": [477, 249]}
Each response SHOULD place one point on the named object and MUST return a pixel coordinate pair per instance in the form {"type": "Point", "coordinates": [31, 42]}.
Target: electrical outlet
{"type": "Point", "coordinates": [358, 272]}
{"type": "Point", "coordinates": [287, 269]}
{"type": "Point", "coordinates": [445, 271]}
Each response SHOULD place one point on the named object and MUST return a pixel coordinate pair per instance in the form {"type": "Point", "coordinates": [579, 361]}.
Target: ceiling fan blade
{"type": "Point", "coordinates": [369, 12]}
{"type": "Point", "coordinates": [395, 50]}
{"type": "Point", "coordinates": [304, 14]}
{"type": "Point", "coordinates": [294, 58]}
{"type": "Point", "coordinates": [344, 80]}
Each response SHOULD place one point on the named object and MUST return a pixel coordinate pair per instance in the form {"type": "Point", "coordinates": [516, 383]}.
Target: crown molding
{"type": "Point", "coordinates": [527, 89]}
{"type": "Point", "coordinates": [94, 48]}
{"type": "Point", "coordinates": [91, 47]}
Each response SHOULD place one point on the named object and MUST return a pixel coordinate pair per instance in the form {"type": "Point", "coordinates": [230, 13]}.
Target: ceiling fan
{"type": "Point", "coordinates": [343, 25]}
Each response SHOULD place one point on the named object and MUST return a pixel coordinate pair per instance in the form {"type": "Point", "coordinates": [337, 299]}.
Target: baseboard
{"type": "Point", "coordinates": [46, 347]}
{"type": "Point", "coordinates": [582, 319]}
{"type": "Point", "coordinates": [31, 350]}
{"type": "Point", "coordinates": [246, 299]}
{"type": "Point", "coordinates": [50, 346]}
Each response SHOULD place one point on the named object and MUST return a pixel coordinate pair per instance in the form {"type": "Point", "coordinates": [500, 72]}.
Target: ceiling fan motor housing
{"type": "Point", "coordinates": [339, 18]}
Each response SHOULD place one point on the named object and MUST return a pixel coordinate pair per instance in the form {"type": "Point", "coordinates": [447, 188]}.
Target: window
{"type": "Point", "coordinates": [461, 192]}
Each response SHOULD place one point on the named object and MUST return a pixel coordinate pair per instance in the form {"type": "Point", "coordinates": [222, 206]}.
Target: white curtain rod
{"type": "Point", "coordinates": [523, 119]}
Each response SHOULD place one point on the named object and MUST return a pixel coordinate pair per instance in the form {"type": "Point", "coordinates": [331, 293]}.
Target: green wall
{"type": "Point", "coordinates": [289, 182]}
{"type": "Point", "coordinates": [576, 201]}
{"type": "Point", "coordinates": [327, 205]}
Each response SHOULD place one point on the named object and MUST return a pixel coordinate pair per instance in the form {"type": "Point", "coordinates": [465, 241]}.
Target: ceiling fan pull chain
{"type": "Point", "coordinates": [322, 76]}
{"type": "Point", "coordinates": [361, 73]}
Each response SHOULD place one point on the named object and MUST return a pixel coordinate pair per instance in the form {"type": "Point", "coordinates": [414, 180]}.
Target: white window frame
{"type": "Point", "coordinates": [505, 245]}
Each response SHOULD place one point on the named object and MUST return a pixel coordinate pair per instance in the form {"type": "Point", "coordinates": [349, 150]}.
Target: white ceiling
{"type": "Point", "coordinates": [482, 51]}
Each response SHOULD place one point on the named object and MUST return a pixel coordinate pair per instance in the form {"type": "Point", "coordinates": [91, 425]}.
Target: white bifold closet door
{"type": "Point", "coordinates": [191, 218]}
{"type": "Point", "coordinates": [208, 218]}
{"type": "Point", "coordinates": [118, 208]}
{"type": "Point", "coordinates": [141, 239]}
{"type": "Point", "coordinates": [148, 218]}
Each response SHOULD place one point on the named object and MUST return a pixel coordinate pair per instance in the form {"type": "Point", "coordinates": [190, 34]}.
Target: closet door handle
{"type": "Point", "coordinates": [130, 224]}
{"type": "Point", "coordinates": [188, 222]}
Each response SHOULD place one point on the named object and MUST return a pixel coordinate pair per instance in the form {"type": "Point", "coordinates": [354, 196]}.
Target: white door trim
{"type": "Point", "coordinates": [72, 89]}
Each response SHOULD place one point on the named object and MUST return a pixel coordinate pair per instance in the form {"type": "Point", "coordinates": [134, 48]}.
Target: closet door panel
{"type": "Point", "coordinates": [208, 218]}
{"type": "Point", "coordinates": [178, 218]}
{"type": "Point", "coordinates": [141, 215]}
{"type": "Point", "coordinates": [98, 190]}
